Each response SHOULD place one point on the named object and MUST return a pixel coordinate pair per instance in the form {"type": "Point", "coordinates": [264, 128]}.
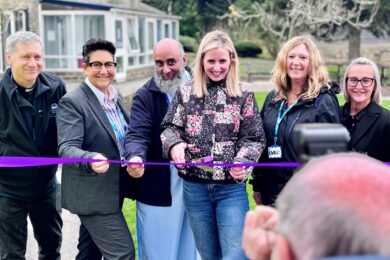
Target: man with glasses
{"type": "Point", "coordinates": [162, 224]}
{"type": "Point", "coordinates": [92, 124]}
{"type": "Point", "coordinates": [28, 105]}
{"type": "Point", "coordinates": [336, 205]}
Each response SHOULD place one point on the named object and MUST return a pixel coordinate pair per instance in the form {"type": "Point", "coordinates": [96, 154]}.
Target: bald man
{"type": "Point", "coordinates": [162, 224]}
{"type": "Point", "coordinates": [336, 205]}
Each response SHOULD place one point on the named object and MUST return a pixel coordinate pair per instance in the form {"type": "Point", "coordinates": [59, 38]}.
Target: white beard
{"type": "Point", "coordinates": [169, 85]}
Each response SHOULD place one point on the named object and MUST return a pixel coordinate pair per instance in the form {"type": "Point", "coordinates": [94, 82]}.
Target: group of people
{"type": "Point", "coordinates": [184, 115]}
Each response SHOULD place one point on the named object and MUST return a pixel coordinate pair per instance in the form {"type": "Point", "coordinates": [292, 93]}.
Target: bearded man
{"type": "Point", "coordinates": [160, 209]}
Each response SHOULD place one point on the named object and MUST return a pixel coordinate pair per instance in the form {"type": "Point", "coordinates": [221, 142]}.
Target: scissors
{"type": "Point", "coordinates": [204, 160]}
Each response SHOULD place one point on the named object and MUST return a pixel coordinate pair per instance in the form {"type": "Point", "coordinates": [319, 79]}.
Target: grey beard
{"type": "Point", "coordinates": [169, 85]}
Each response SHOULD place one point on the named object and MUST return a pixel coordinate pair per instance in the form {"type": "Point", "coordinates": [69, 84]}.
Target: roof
{"type": "Point", "coordinates": [79, 3]}
{"type": "Point", "coordinates": [90, 4]}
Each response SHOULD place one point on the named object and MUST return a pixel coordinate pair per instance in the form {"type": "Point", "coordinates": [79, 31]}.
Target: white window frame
{"type": "Point", "coordinates": [22, 13]}
{"type": "Point", "coordinates": [135, 34]}
{"type": "Point", "coordinates": [75, 54]}
{"type": "Point", "coordinates": [150, 45]}
{"type": "Point", "coordinates": [165, 23]}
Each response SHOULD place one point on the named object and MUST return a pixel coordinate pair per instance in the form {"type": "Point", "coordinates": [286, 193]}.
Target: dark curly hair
{"type": "Point", "coordinates": [97, 44]}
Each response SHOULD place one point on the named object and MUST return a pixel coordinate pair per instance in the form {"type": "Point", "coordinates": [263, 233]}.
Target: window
{"type": "Point", "coordinates": [150, 35]}
{"type": "Point", "coordinates": [166, 29]}
{"type": "Point", "coordinates": [141, 33]}
{"type": "Point", "coordinates": [174, 30]}
{"type": "Point", "coordinates": [159, 30]}
{"type": "Point", "coordinates": [20, 20]}
{"type": "Point", "coordinates": [118, 34]}
{"type": "Point", "coordinates": [88, 27]}
{"type": "Point", "coordinates": [132, 35]}
{"type": "Point", "coordinates": [9, 23]}
{"type": "Point", "coordinates": [57, 46]}
{"type": "Point", "coordinates": [62, 50]}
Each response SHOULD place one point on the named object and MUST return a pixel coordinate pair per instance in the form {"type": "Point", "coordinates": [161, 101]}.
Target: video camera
{"type": "Point", "coordinates": [316, 139]}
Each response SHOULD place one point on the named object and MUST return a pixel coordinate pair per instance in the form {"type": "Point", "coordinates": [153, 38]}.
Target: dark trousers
{"type": "Point", "coordinates": [46, 221]}
{"type": "Point", "coordinates": [110, 234]}
{"type": "Point", "coordinates": [87, 249]}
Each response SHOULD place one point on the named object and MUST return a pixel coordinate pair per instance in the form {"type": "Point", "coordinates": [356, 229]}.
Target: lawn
{"type": "Point", "coordinates": [129, 206]}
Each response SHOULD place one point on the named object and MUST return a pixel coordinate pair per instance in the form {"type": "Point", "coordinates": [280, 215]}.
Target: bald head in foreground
{"type": "Point", "coordinates": [336, 205]}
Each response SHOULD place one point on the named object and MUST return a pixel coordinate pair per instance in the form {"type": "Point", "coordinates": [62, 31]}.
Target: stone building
{"type": "Point", "coordinates": [65, 25]}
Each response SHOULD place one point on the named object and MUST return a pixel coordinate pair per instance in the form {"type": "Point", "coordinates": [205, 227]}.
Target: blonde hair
{"type": "Point", "coordinates": [317, 73]}
{"type": "Point", "coordinates": [377, 92]}
{"type": "Point", "coordinates": [214, 40]}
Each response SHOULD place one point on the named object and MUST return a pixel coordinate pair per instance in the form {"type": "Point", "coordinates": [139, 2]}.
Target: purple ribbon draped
{"type": "Point", "coordinates": [42, 161]}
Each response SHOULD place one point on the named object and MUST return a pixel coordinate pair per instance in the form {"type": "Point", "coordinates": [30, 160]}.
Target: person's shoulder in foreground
{"type": "Point", "coordinates": [334, 205]}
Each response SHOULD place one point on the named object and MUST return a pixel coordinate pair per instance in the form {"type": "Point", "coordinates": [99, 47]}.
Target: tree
{"type": "Point", "coordinates": [198, 16]}
{"type": "Point", "coordinates": [326, 19]}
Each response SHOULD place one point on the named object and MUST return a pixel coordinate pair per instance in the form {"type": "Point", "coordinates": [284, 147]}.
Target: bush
{"type": "Point", "coordinates": [189, 43]}
{"type": "Point", "coordinates": [247, 49]}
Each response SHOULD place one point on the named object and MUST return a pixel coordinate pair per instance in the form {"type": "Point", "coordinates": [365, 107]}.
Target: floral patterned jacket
{"type": "Point", "coordinates": [227, 128]}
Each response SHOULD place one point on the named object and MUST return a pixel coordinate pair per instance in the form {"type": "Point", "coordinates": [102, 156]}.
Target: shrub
{"type": "Point", "coordinates": [189, 43]}
{"type": "Point", "coordinates": [247, 49]}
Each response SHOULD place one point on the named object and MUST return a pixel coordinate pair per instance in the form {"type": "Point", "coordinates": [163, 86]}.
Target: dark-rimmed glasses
{"type": "Point", "coordinates": [97, 65]}
{"type": "Point", "coordinates": [365, 82]}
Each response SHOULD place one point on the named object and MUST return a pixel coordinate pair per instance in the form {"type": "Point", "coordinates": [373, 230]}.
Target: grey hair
{"type": "Point", "coordinates": [377, 93]}
{"type": "Point", "coordinates": [21, 37]}
{"type": "Point", "coordinates": [319, 215]}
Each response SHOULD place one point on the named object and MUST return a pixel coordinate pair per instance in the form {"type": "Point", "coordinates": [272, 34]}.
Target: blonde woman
{"type": "Point", "coordinates": [302, 94]}
{"type": "Point", "coordinates": [367, 121]}
{"type": "Point", "coordinates": [214, 117]}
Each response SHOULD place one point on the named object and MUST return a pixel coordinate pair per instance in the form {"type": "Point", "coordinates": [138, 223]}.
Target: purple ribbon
{"type": "Point", "coordinates": [41, 161]}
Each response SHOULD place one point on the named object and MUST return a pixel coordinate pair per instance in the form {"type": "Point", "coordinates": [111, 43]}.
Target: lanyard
{"type": "Point", "coordinates": [281, 116]}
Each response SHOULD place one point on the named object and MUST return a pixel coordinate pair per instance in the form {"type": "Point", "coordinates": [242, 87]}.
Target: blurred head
{"type": "Point", "coordinates": [99, 62]}
{"type": "Point", "coordinates": [24, 54]}
{"type": "Point", "coordinates": [169, 61]}
{"type": "Point", "coordinates": [299, 59]}
{"type": "Point", "coordinates": [362, 82]}
{"type": "Point", "coordinates": [216, 60]}
{"type": "Point", "coordinates": [335, 205]}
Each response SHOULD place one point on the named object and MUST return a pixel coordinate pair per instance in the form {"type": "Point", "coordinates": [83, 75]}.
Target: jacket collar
{"type": "Point", "coordinates": [371, 113]}
{"type": "Point", "coordinates": [43, 84]}
{"type": "Point", "coordinates": [97, 109]}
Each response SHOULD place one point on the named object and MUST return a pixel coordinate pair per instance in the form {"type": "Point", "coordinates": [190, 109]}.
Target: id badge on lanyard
{"type": "Point", "coordinates": [275, 151]}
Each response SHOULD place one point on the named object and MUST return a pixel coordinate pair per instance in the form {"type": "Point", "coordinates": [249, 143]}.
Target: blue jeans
{"type": "Point", "coordinates": [170, 223]}
{"type": "Point", "coordinates": [216, 213]}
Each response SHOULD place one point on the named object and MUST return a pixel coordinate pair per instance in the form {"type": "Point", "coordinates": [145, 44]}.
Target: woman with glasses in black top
{"type": "Point", "coordinates": [367, 121]}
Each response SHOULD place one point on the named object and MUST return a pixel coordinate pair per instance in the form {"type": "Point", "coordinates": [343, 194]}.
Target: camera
{"type": "Point", "coordinates": [316, 139]}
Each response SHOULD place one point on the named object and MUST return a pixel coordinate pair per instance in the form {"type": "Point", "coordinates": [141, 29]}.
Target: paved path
{"type": "Point", "coordinates": [70, 235]}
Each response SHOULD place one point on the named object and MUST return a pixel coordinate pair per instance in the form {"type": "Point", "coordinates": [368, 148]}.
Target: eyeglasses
{"type": "Point", "coordinates": [365, 82]}
{"type": "Point", "coordinates": [97, 65]}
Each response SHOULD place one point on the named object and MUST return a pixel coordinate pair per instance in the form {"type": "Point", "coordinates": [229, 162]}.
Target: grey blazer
{"type": "Point", "coordinates": [83, 131]}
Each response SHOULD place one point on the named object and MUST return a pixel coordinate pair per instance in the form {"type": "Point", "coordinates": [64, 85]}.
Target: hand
{"type": "Point", "coordinates": [258, 238]}
{"type": "Point", "coordinates": [257, 197]}
{"type": "Point", "coordinates": [177, 154]}
{"type": "Point", "coordinates": [100, 167]}
{"type": "Point", "coordinates": [136, 170]}
{"type": "Point", "coordinates": [238, 173]}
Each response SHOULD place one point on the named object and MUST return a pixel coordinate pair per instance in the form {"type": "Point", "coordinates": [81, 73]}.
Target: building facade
{"type": "Point", "coordinates": [65, 25]}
